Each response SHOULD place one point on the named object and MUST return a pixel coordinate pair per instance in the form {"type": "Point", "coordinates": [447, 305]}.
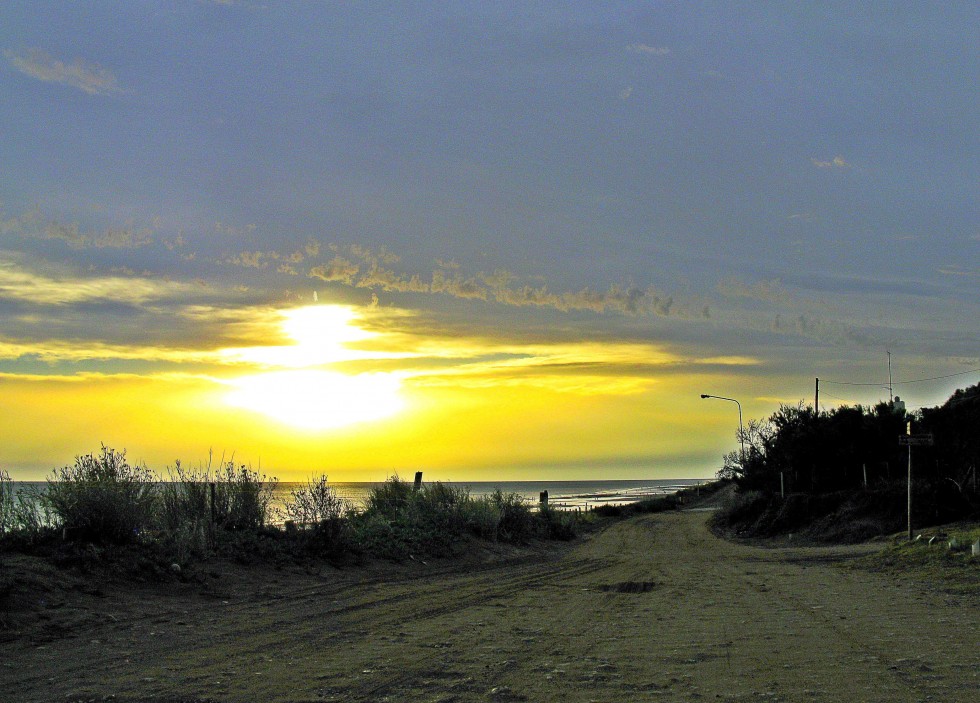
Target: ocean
{"type": "Point", "coordinates": [568, 495]}
{"type": "Point", "coordinates": [561, 494]}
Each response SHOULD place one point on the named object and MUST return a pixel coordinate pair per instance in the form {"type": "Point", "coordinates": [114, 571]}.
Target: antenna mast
{"type": "Point", "coordinates": [891, 398]}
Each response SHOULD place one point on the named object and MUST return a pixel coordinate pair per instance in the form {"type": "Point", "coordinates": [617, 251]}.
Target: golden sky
{"type": "Point", "coordinates": [482, 240]}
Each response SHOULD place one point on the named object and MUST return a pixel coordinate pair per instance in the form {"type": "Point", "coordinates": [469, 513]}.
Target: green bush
{"type": "Point", "coordinates": [557, 524]}
{"type": "Point", "coordinates": [101, 498]}
{"type": "Point", "coordinates": [390, 498]}
{"type": "Point", "coordinates": [516, 521]}
{"type": "Point", "coordinates": [185, 498]}
{"type": "Point", "coordinates": [232, 497]}
{"type": "Point", "coordinates": [243, 503]}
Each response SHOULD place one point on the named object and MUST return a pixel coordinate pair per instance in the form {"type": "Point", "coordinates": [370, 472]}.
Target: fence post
{"type": "Point", "coordinates": [544, 500]}
{"type": "Point", "coordinates": [418, 481]}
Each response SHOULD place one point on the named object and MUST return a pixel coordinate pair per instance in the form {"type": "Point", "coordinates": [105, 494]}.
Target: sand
{"type": "Point", "coordinates": [654, 608]}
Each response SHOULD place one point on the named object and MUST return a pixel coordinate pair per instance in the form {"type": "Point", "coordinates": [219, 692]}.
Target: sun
{"type": "Point", "coordinates": [318, 400]}
{"type": "Point", "coordinates": [299, 388]}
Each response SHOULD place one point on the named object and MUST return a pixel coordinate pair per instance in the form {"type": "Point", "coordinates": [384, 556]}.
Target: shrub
{"type": "Point", "coordinates": [232, 497]}
{"type": "Point", "coordinates": [390, 498]}
{"type": "Point", "coordinates": [325, 518]}
{"type": "Point", "coordinates": [242, 497]}
{"type": "Point", "coordinates": [558, 524]}
{"type": "Point", "coordinates": [185, 499]}
{"type": "Point", "coordinates": [6, 502]}
{"type": "Point", "coordinates": [101, 498]}
{"type": "Point", "coordinates": [516, 522]}
{"type": "Point", "coordinates": [315, 503]}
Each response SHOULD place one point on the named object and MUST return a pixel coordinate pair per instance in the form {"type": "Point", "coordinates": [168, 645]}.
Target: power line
{"type": "Point", "coordinates": [900, 383]}
{"type": "Point", "coordinates": [936, 378]}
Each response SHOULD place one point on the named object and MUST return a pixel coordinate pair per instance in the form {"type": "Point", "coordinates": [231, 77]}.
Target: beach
{"type": "Point", "coordinates": [655, 607]}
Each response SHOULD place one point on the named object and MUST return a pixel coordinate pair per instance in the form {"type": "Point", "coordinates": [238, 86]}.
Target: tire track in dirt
{"type": "Point", "coordinates": [652, 608]}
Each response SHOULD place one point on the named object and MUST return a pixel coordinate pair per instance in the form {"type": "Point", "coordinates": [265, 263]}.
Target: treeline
{"type": "Point", "coordinates": [843, 473]}
{"type": "Point", "coordinates": [103, 500]}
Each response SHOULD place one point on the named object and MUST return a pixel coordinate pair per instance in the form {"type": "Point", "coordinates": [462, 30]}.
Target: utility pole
{"type": "Point", "coordinates": [816, 397]}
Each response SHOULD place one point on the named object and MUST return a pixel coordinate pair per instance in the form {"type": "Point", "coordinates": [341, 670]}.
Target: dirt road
{"type": "Point", "coordinates": [653, 608]}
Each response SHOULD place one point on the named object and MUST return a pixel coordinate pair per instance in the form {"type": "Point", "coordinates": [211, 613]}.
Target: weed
{"type": "Point", "coordinates": [6, 502]}
{"type": "Point", "coordinates": [101, 499]}
{"type": "Point", "coordinates": [315, 503]}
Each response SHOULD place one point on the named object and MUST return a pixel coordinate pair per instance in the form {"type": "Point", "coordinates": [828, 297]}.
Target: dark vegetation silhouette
{"type": "Point", "coordinates": [844, 473]}
{"type": "Point", "coordinates": [104, 509]}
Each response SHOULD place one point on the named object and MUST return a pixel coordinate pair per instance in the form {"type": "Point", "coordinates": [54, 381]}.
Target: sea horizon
{"type": "Point", "coordinates": [571, 494]}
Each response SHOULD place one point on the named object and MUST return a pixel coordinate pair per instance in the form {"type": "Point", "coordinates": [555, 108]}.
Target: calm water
{"type": "Point", "coordinates": [563, 494]}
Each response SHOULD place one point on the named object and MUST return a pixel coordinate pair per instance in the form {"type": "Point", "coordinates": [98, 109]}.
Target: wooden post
{"type": "Point", "coordinates": [418, 481]}
{"type": "Point", "coordinates": [544, 500]}
{"type": "Point", "coordinates": [782, 485]}
{"type": "Point", "coordinates": [864, 467]}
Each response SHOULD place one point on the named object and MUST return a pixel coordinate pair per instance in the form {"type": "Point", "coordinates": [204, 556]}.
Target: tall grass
{"type": "Point", "coordinates": [315, 503]}
{"type": "Point", "coordinates": [434, 519]}
{"type": "Point", "coordinates": [194, 514]}
{"type": "Point", "coordinates": [231, 496]}
{"type": "Point", "coordinates": [6, 502]}
{"type": "Point", "coordinates": [102, 498]}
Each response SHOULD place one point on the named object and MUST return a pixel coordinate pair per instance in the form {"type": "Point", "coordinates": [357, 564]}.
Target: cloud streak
{"type": "Point", "coordinates": [372, 271]}
{"type": "Point", "coordinates": [34, 225]}
{"type": "Point", "coordinates": [87, 77]}
{"type": "Point", "coordinates": [23, 285]}
{"type": "Point", "coordinates": [648, 50]}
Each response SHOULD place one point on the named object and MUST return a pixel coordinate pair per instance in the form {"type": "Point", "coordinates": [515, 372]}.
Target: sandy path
{"type": "Point", "coordinates": [653, 608]}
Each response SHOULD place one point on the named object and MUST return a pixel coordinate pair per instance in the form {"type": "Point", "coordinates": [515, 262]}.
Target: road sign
{"type": "Point", "coordinates": [915, 440]}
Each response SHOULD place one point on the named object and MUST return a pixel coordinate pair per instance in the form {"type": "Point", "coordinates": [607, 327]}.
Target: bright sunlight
{"type": "Point", "coordinates": [300, 392]}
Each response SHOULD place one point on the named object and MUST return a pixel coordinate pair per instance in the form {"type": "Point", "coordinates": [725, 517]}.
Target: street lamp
{"type": "Point", "coordinates": [741, 432]}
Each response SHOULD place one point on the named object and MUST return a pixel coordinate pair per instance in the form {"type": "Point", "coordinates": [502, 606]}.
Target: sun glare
{"type": "Point", "coordinates": [300, 392]}
{"type": "Point", "coordinates": [317, 400]}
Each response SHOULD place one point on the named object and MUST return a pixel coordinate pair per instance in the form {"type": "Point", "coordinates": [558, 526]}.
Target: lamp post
{"type": "Point", "coordinates": [741, 432]}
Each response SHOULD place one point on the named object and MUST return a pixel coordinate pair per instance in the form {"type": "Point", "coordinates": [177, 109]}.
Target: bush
{"type": "Point", "coordinates": [516, 522]}
{"type": "Point", "coordinates": [6, 502]}
{"type": "Point", "coordinates": [390, 498]}
{"type": "Point", "coordinates": [324, 519]}
{"type": "Point", "coordinates": [242, 497]}
{"type": "Point", "coordinates": [185, 499]}
{"type": "Point", "coordinates": [101, 499]}
{"type": "Point", "coordinates": [558, 524]}
{"type": "Point", "coordinates": [315, 503]}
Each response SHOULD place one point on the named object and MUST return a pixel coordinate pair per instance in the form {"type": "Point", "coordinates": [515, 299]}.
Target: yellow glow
{"type": "Point", "coordinates": [317, 400]}
{"type": "Point", "coordinates": [304, 395]}
{"type": "Point", "coordinates": [320, 335]}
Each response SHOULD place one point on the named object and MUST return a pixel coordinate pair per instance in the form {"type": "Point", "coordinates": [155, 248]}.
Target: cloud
{"type": "Point", "coordinates": [16, 283]}
{"type": "Point", "coordinates": [53, 351]}
{"type": "Point", "coordinates": [648, 50]}
{"type": "Point", "coordinates": [954, 270]}
{"type": "Point", "coordinates": [337, 269]}
{"type": "Point", "coordinates": [836, 162]}
{"type": "Point", "coordinates": [34, 225]}
{"type": "Point", "coordinates": [87, 77]}
{"type": "Point", "coordinates": [771, 291]}
{"type": "Point", "coordinates": [261, 259]}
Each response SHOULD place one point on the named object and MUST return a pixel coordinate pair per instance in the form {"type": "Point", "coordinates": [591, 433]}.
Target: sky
{"type": "Point", "coordinates": [489, 241]}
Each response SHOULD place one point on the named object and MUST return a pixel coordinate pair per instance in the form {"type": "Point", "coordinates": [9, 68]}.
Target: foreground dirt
{"type": "Point", "coordinates": [652, 608]}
